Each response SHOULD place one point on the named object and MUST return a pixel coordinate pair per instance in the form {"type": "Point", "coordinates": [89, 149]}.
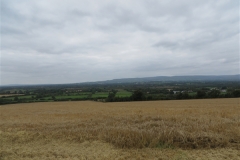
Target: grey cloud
{"type": "Point", "coordinates": [99, 40]}
{"type": "Point", "coordinates": [166, 44]}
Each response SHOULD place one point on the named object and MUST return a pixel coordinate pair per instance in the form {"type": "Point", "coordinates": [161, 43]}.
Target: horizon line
{"type": "Point", "coordinates": [8, 85]}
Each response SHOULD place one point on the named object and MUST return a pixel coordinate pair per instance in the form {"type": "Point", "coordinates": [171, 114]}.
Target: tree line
{"type": "Point", "coordinates": [139, 95]}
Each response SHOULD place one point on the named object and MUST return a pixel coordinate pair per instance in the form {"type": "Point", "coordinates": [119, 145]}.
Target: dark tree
{"type": "Point", "coordinates": [138, 95]}
{"type": "Point", "coordinates": [16, 99]}
{"type": "Point", "coordinates": [236, 93]}
{"type": "Point", "coordinates": [27, 92]}
{"type": "Point", "coordinates": [183, 95]}
{"type": "Point", "coordinates": [201, 94]}
{"type": "Point", "coordinates": [111, 96]}
{"type": "Point", "coordinates": [20, 92]}
{"type": "Point", "coordinates": [214, 93]}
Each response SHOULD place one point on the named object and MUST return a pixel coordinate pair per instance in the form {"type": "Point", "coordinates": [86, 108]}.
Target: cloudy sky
{"type": "Point", "coordinates": [68, 41]}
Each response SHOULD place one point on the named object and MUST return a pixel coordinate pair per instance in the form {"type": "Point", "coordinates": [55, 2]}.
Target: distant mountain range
{"type": "Point", "coordinates": [174, 78]}
{"type": "Point", "coordinates": [151, 79]}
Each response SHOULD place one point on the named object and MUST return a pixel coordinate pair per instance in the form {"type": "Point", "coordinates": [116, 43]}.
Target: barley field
{"type": "Point", "coordinates": [179, 130]}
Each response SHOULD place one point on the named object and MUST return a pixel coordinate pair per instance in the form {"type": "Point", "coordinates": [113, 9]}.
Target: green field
{"type": "Point", "coordinates": [81, 93]}
{"type": "Point", "coordinates": [20, 97]}
{"type": "Point", "coordinates": [100, 94]}
{"type": "Point", "coordinates": [71, 96]}
{"type": "Point", "coordinates": [24, 97]}
{"type": "Point", "coordinates": [192, 93]}
{"type": "Point", "coordinates": [123, 94]}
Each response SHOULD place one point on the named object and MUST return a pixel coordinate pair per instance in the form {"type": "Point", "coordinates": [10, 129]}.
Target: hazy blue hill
{"type": "Point", "coordinates": [176, 78]}
{"type": "Point", "coordinates": [146, 79]}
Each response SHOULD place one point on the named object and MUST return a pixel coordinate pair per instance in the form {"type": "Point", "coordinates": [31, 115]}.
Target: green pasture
{"type": "Point", "coordinates": [100, 94]}
{"type": "Point", "coordinates": [79, 93]}
{"type": "Point", "coordinates": [71, 96]}
{"type": "Point", "coordinates": [192, 93]}
{"type": "Point", "coordinates": [19, 97]}
{"type": "Point", "coordinates": [123, 94]}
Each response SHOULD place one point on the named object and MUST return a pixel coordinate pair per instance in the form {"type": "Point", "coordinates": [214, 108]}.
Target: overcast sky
{"type": "Point", "coordinates": [69, 41]}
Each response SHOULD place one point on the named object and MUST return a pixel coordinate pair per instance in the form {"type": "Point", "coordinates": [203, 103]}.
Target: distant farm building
{"type": "Point", "coordinates": [175, 92]}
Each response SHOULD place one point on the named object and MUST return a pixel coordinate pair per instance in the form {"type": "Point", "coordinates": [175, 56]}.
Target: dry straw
{"type": "Point", "coordinates": [188, 124]}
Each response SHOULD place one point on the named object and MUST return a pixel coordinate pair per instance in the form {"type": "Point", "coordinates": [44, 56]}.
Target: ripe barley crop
{"type": "Point", "coordinates": [190, 124]}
